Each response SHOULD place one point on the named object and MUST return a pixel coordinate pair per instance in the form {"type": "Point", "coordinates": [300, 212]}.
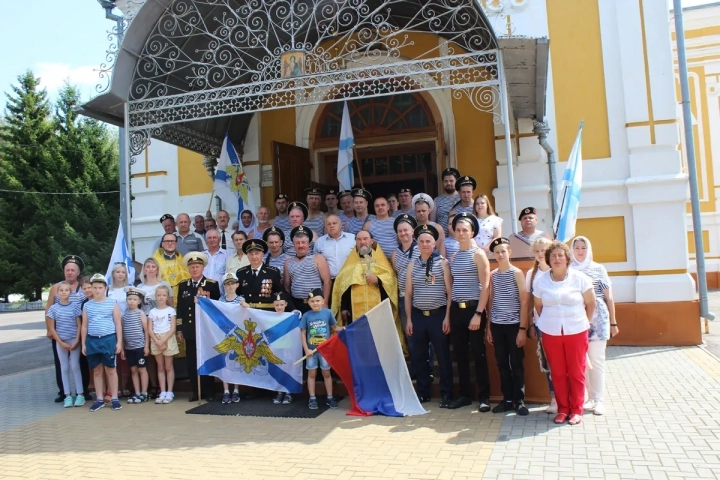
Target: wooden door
{"type": "Point", "coordinates": [291, 172]}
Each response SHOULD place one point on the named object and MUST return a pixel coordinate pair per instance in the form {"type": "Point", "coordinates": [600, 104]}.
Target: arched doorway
{"type": "Point", "coordinates": [397, 142]}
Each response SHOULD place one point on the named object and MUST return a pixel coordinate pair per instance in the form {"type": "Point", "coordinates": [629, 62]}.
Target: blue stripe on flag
{"type": "Point", "coordinates": [283, 328]}
{"type": "Point", "coordinates": [347, 143]}
{"type": "Point", "coordinates": [216, 315]}
{"type": "Point", "coordinates": [369, 381]}
{"type": "Point", "coordinates": [212, 365]}
{"type": "Point", "coordinates": [221, 176]}
{"type": "Point", "coordinates": [284, 379]}
{"type": "Point", "coordinates": [231, 151]}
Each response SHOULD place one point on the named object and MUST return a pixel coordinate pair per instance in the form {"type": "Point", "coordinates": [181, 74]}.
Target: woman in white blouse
{"type": "Point", "coordinates": [118, 282]}
{"type": "Point", "coordinates": [565, 302]}
{"type": "Point", "coordinates": [490, 224]}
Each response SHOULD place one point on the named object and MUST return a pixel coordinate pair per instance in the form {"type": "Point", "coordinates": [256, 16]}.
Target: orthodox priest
{"type": "Point", "coordinates": [366, 279]}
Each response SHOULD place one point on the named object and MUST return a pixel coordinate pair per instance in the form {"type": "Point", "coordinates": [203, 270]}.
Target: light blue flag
{"type": "Point", "coordinates": [231, 183]}
{"type": "Point", "coordinates": [568, 200]}
{"type": "Point", "coordinates": [345, 174]}
{"type": "Point", "coordinates": [120, 254]}
{"type": "Point", "coordinates": [246, 346]}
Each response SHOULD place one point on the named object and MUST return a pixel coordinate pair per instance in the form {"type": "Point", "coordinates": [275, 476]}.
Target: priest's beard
{"type": "Point", "coordinates": [364, 251]}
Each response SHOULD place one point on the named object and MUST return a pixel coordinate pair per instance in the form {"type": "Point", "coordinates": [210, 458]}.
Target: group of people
{"type": "Point", "coordinates": [430, 257]}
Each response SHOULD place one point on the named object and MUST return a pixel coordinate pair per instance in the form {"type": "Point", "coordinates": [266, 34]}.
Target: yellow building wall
{"type": "Point", "coordinates": [193, 178]}
{"type": "Point", "coordinates": [578, 76]}
{"type": "Point", "coordinates": [706, 241]}
{"type": "Point", "coordinates": [275, 126]}
{"type": "Point", "coordinates": [475, 145]}
{"type": "Point", "coordinates": [607, 236]}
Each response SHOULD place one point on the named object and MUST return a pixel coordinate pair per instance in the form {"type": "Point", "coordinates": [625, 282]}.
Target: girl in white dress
{"type": "Point", "coordinates": [490, 224]}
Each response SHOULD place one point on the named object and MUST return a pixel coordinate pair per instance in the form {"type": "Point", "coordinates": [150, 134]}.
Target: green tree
{"type": "Point", "coordinates": [30, 222]}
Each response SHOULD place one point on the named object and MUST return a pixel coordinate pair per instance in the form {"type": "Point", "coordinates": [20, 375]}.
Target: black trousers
{"type": "Point", "coordinates": [84, 372]}
{"type": "Point", "coordinates": [469, 345]}
{"type": "Point", "coordinates": [509, 359]}
{"type": "Point", "coordinates": [301, 304]}
{"type": "Point", "coordinates": [427, 330]}
{"type": "Point", "coordinates": [207, 383]}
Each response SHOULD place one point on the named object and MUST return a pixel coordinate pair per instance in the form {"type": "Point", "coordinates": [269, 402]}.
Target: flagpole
{"type": "Point", "coordinates": [559, 214]}
{"type": "Point", "coordinates": [357, 162]}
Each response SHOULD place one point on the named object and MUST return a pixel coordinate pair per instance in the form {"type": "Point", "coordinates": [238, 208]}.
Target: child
{"type": "Point", "coordinates": [508, 327]}
{"type": "Point", "coordinates": [163, 344]}
{"type": "Point", "coordinates": [63, 323]}
{"type": "Point", "coordinates": [102, 340]}
{"type": "Point", "coordinates": [137, 343]}
{"type": "Point", "coordinates": [315, 328]}
{"type": "Point", "coordinates": [230, 282]}
{"type": "Point", "coordinates": [281, 304]}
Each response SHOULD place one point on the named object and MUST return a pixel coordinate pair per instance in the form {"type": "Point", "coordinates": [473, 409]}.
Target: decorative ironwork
{"type": "Point", "coordinates": [500, 11]}
{"type": "Point", "coordinates": [178, 135]}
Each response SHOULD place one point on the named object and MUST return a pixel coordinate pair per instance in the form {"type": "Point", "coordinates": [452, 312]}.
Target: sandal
{"type": "Point", "coordinates": [560, 418]}
{"type": "Point", "coordinates": [575, 419]}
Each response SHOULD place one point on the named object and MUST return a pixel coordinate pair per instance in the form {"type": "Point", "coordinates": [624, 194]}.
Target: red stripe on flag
{"type": "Point", "coordinates": [336, 354]}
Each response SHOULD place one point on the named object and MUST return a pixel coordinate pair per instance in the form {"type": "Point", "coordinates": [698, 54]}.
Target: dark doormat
{"type": "Point", "coordinates": [263, 407]}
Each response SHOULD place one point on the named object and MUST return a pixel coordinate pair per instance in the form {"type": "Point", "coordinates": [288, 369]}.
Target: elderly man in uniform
{"type": "Point", "coordinates": [259, 283]}
{"type": "Point", "coordinates": [423, 205]}
{"type": "Point", "coordinates": [305, 271]}
{"type": "Point", "coordinates": [465, 186]}
{"type": "Point", "coordinates": [187, 240]}
{"type": "Point", "coordinates": [448, 199]}
{"type": "Point", "coordinates": [521, 242]}
{"type": "Point", "coordinates": [172, 267]}
{"type": "Point", "coordinates": [428, 296]}
{"type": "Point", "coordinates": [366, 279]}
{"type": "Point", "coordinates": [197, 286]}
{"type": "Point", "coordinates": [282, 220]}
{"type": "Point", "coordinates": [168, 223]}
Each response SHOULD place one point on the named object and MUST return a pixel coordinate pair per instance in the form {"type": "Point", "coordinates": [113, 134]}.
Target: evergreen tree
{"type": "Point", "coordinates": [29, 222]}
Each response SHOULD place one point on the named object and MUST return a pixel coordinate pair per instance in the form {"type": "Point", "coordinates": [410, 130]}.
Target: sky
{"type": "Point", "coordinates": [66, 44]}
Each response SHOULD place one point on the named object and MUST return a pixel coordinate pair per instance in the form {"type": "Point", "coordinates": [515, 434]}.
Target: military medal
{"type": "Point", "coordinates": [266, 287]}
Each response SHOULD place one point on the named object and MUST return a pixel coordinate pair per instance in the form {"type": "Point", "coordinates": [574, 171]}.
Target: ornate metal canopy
{"type": "Point", "coordinates": [192, 70]}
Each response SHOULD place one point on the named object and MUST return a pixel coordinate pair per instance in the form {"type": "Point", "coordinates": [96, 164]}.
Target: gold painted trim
{"type": "Point", "coordinates": [522, 135]}
{"type": "Point", "coordinates": [669, 121]}
{"type": "Point", "coordinates": [644, 273]}
{"type": "Point", "coordinates": [700, 32]}
{"type": "Point", "coordinates": [146, 175]}
{"type": "Point", "coordinates": [648, 88]}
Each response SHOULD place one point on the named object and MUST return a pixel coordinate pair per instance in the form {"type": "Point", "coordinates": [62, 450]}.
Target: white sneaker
{"type": "Point", "coordinates": [552, 408]}
{"type": "Point", "coordinates": [589, 405]}
{"type": "Point", "coordinates": [161, 398]}
{"type": "Point", "coordinates": [599, 408]}
{"type": "Point", "coordinates": [169, 397]}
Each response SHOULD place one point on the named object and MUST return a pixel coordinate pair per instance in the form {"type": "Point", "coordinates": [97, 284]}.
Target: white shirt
{"type": "Point", "coordinates": [487, 228]}
{"type": "Point", "coordinates": [161, 319]}
{"type": "Point", "coordinates": [120, 297]}
{"type": "Point", "coordinates": [215, 268]}
{"type": "Point", "coordinates": [234, 263]}
{"type": "Point", "coordinates": [563, 311]}
{"type": "Point", "coordinates": [335, 251]}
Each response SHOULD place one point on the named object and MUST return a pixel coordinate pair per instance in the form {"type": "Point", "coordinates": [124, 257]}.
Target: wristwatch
{"type": "Point", "coordinates": [478, 312]}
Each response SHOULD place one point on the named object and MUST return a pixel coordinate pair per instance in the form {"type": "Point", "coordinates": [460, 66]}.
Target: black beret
{"type": "Point", "coordinates": [167, 216]}
{"type": "Point", "coordinates": [467, 217]}
{"type": "Point", "coordinates": [420, 229]}
{"type": "Point", "coordinates": [405, 190]}
{"type": "Point", "coordinates": [344, 193]}
{"type": "Point", "coordinates": [281, 295]}
{"type": "Point", "coordinates": [527, 211]}
{"type": "Point", "coordinates": [314, 191]}
{"type": "Point", "coordinates": [254, 244]}
{"type": "Point", "coordinates": [498, 241]}
{"type": "Point", "coordinates": [315, 292]}
{"type": "Point", "coordinates": [273, 231]}
{"type": "Point", "coordinates": [281, 196]}
{"type": "Point", "coordinates": [404, 218]}
{"type": "Point", "coordinates": [361, 192]}
{"type": "Point", "coordinates": [466, 180]}
{"type": "Point", "coordinates": [301, 230]}
{"type": "Point", "coordinates": [332, 191]}
{"type": "Point", "coordinates": [301, 206]}
{"type": "Point", "coordinates": [74, 259]}
{"type": "Point", "coordinates": [451, 171]}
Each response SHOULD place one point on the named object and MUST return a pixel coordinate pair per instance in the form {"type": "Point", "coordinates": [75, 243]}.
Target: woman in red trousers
{"type": "Point", "coordinates": [565, 302]}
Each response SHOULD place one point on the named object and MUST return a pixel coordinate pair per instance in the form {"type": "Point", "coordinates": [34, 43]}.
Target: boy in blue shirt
{"type": "Point", "coordinates": [102, 340]}
{"type": "Point", "coordinates": [316, 326]}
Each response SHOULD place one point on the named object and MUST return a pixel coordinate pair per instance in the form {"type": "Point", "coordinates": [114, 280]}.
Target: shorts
{"type": "Point", "coordinates": [101, 350]}
{"type": "Point", "coordinates": [312, 362]}
{"type": "Point", "coordinates": [136, 357]}
{"type": "Point", "coordinates": [172, 346]}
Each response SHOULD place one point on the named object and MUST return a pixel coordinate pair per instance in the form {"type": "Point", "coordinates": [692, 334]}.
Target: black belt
{"type": "Point", "coordinates": [427, 313]}
{"type": "Point", "coordinates": [468, 304]}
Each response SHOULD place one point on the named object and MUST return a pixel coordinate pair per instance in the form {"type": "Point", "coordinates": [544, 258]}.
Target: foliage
{"type": "Point", "coordinates": [45, 151]}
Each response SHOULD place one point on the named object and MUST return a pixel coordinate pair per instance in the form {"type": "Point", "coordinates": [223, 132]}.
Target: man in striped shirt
{"type": "Point", "coordinates": [382, 227]}
{"type": "Point", "coordinates": [444, 202]}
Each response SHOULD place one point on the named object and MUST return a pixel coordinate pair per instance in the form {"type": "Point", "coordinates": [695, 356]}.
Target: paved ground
{"type": "Point", "coordinates": [23, 344]}
{"type": "Point", "coordinates": [662, 422]}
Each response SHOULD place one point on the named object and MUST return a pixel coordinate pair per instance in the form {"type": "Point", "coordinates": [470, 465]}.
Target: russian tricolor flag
{"type": "Point", "coordinates": [368, 358]}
